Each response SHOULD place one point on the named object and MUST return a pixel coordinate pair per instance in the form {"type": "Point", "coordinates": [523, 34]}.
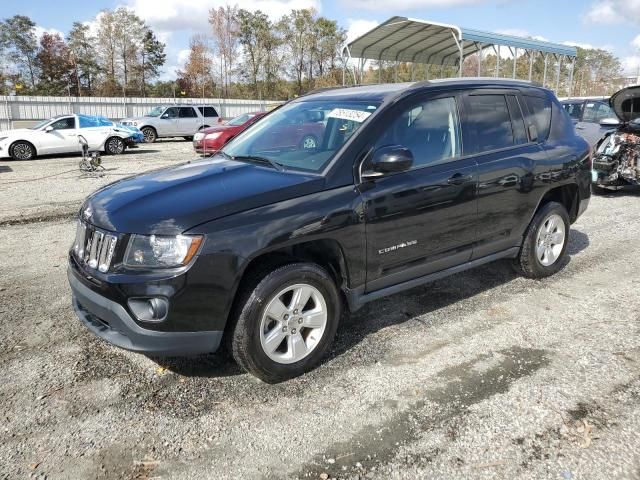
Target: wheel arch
{"type": "Point", "coordinates": [566, 195]}
{"type": "Point", "coordinates": [327, 253]}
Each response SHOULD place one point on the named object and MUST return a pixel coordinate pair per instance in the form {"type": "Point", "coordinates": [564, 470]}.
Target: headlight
{"type": "Point", "coordinates": [159, 251]}
{"type": "Point", "coordinates": [212, 136]}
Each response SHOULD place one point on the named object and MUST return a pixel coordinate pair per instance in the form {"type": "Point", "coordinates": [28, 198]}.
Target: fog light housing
{"type": "Point", "coordinates": [151, 309]}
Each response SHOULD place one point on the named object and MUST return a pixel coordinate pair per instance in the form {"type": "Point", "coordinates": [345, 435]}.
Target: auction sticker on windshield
{"type": "Point", "coordinates": [348, 114]}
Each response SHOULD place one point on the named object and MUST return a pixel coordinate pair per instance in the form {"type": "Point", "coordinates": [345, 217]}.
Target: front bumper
{"type": "Point", "coordinates": [111, 322]}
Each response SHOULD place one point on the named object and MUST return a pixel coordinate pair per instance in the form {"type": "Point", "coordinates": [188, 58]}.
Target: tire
{"type": "Point", "coordinates": [598, 190]}
{"type": "Point", "coordinates": [545, 242]}
{"type": "Point", "coordinates": [114, 146]}
{"type": "Point", "coordinates": [309, 142]}
{"type": "Point", "coordinates": [150, 134]}
{"type": "Point", "coordinates": [22, 150]}
{"type": "Point", "coordinates": [276, 349]}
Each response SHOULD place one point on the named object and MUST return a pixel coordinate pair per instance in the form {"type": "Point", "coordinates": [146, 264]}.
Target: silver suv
{"type": "Point", "coordinates": [174, 121]}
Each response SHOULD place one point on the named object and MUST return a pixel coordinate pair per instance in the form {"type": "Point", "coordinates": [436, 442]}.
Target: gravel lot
{"type": "Point", "coordinates": [481, 375]}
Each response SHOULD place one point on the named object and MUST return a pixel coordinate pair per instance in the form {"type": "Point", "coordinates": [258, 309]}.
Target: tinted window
{"type": "Point", "coordinates": [64, 123]}
{"type": "Point", "coordinates": [517, 120]}
{"type": "Point", "coordinates": [187, 112]}
{"type": "Point", "coordinates": [594, 112]}
{"type": "Point", "coordinates": [208, 111]}
{"type": "Point", "coordinates": [489, 118]}
{"type": "Point", "coordinates": [430, 130]}
{"type": "Point", "coordinates": [540, 115]}
{"type": "Point", "coordinates": [171, 112]}
{"type": "Point", "coordinates": [574, 109]}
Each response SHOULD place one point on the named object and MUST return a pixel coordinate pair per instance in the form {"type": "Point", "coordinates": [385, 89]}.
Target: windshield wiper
{"type": "Point", "coordinates": [263, 160]}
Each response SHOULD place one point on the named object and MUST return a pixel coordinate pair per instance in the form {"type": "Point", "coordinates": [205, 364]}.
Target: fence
{"type": "Point", "coordinates": [16, 111]}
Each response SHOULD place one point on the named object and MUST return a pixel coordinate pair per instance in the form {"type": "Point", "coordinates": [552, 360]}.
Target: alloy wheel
{"type": "Point", "coordinates": [550, 240]}
{"type": "Point", "coordinates": [293, 323]}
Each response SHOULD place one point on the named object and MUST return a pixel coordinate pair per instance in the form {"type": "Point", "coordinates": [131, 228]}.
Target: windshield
{"type": "Point", "coordinates": [302, 135]}
{"type": "Point", "coordinates": [240, 119]}
{"type": "Point", "coordinates": [40, 124]}
{"type": "Point", "coordinates": [155, 112]}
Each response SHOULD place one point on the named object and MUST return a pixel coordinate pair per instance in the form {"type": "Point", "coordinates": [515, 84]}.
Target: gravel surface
{"type": "Point", "coordinates": [481, 375]}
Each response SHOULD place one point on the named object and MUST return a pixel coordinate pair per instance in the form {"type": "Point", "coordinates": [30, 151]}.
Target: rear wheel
{"type": "Point", "coordinates": [149, 134]}
{"type": "Point", "coordinates": [545, 242]}
{"type": "Point", "coordinates": [21, 150]}
{"type": "Point", "coordinates": [114, 146]}
{"type": "Point", "coordinates": [287, 322]}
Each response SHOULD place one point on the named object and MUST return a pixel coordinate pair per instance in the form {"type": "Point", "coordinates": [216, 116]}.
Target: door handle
{"type": "Point", "coordinates": [459, 179]}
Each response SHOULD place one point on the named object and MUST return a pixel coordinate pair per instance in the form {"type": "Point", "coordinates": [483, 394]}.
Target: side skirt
{"type": "Point", "coordinates": [357, 298]}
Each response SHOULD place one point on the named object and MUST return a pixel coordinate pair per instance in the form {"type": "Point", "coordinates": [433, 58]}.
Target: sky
{"type": "Point", "coordinates": [613, 25]}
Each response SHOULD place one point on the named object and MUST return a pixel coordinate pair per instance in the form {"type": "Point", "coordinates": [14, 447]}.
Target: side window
{"type": "Point", "coordinates": [187, 112]}
{"type": "Point", "coordinates": [430, 129]}
{"type": "Point", "coordinates": [574, 109]}
{"type": "Point", "coordinates": [596, 111]}
{"type": "Point", "coordinates": [208, 111]}
{"type": "Point", "coordinates": [171, 112]}
{"type": "Point", "coordinates": [539, 115]}
{"type": "Point", "coordinates": [64, 123]}
{"type": "Point", "coordinates": [489, 117]}
{"type": "Point", "coordinates": [87, 122]}
{"type": "Point", "coordinates": [517, 120]}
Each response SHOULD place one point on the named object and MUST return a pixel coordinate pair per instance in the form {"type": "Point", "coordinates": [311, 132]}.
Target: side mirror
{"type": "Point", "coordinates": [610, 122]}
{"type": "Point", "coordinates": [389, 159]}
{"type": "Point", "coordinates": [164, 116]}
{"type": "Point", "coordinates": [48, 129]}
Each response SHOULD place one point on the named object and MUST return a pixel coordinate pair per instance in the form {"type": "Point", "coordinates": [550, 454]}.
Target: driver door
{"type": "Point", "coordinates": [61, 136]}
{"type": "Point", "coordinates": [168, 123]}
{"type": "Point", "coordinates": [424, 219]}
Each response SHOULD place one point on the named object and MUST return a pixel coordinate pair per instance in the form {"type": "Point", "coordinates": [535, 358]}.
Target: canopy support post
{"type": "Point", "coordinates": [558, 76]}
{"type": "Point", "coordinates": [379, 70]}
{"type": "Point", "coordinates": [395, 72]}
{"type": "Point", "coordinates": [497, 50]}
{"type": "Point", "coordinates": [544, 75]}
{"type": "Point", "coordinates": [531, 53]}
{"type": "Point", "coordinates": [515, 62]}
{"type": "Point", "coordinates": [570, 89]}
{"type": "Point", "coordinates": [413, 71]}
{"type": "Point", "coordinates": [460, 45]}
{"type": "Point", "coordinates": [479, 60]}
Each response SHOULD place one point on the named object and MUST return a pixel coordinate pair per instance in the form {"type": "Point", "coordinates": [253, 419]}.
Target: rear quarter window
{"type": "Point", "coordinates": [208, 111]}
{"type": "Point", "coordinates": [539, 115]}
{"type": "Point", "coordinates": [490, 122]}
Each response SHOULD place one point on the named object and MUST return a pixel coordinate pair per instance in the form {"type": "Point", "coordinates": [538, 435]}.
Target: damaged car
{"type": "Point", "coordinates": [616, 161]}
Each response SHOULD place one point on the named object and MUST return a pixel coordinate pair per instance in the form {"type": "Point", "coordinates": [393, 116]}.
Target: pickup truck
{"type": "Point", "coordinates": [174, 121]}
{"type": "Point", "coordinates": [264, 247]}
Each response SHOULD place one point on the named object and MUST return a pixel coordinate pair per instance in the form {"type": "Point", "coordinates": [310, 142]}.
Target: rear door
{"type": "Point", "coordinates": [496, 136]}
{"type": "Point", "coordinates": [188, 121]}
{"type": "Point", "coordinates": [422, 220]}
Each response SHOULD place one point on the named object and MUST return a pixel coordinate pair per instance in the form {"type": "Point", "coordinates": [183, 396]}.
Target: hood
{"type": "Point", "coordinates": [626, 103]}
{"type": "Point", "coordinates": [16, 131]}
{"type": "Point", "coordinates": [172, 200]}
{"type": "Point", "coordinates": [220, 128]}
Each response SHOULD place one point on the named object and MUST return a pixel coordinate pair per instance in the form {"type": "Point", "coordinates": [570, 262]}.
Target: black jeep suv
{"type": "Point", "coordinates": [266, 243]}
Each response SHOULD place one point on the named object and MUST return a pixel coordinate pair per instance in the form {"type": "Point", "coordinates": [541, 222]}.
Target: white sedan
{"type": "Point", "coordinates": [60, 135]}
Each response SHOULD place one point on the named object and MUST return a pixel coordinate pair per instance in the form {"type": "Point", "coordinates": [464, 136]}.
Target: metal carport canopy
{"type": "Point", "coordinates": [420, 41]}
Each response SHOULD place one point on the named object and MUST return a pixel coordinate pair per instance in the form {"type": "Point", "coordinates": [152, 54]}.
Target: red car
{"type": "Point", "coordinates": [212, 139]}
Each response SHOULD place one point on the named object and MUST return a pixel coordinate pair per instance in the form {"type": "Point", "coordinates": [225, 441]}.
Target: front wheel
{"type": "Point", "coordinates": [114, 146]}
{"type": "Point", "coordinates": [149, 134]}
{"type": "Point", "coordinates": [287, 322]}
{"type": "Point", "coordinates": [22, 151]}
{"type": "Point", "coordinates": [545, 242]}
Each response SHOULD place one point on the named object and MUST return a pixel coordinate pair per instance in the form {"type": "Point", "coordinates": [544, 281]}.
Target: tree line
{"type": "Point", "coordinates": [245, 54]}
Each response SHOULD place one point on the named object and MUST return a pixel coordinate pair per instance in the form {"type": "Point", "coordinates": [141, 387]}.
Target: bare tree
{"type": "Point", "coordinates": [225, 27]}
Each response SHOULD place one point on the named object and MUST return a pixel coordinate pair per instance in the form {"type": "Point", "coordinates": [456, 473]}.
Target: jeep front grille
{"type": "Point", "coordinates": [94, 247]}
